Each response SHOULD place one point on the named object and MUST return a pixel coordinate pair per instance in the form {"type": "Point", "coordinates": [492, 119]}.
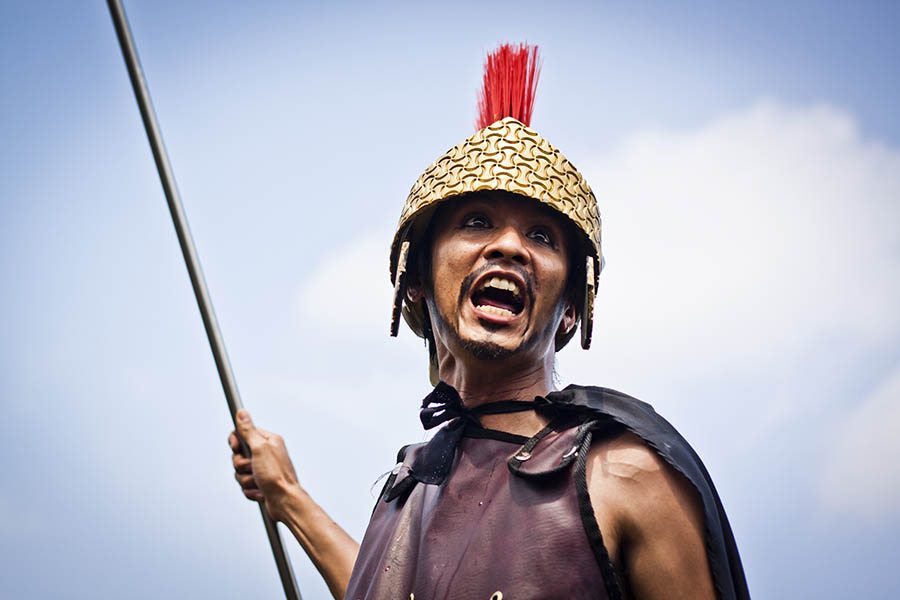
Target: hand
{"type": "Point", "coordinates": [268, 476]}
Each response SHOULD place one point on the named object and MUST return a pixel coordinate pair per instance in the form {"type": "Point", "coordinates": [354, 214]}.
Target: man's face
{"type": "Point", "coordinates": [499, 266]}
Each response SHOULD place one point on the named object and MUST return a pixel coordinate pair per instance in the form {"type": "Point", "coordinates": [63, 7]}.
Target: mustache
{"type": "Point", "coordinates": [471, 278]}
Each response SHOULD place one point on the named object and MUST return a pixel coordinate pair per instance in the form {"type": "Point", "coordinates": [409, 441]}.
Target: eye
{"type": "Point", "coordinates": [541, 235]}
{"type": "Point", "coordinates": [476, 222]}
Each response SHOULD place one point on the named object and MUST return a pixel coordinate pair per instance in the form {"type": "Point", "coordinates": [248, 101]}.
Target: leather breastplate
{"type": "Point", "coordinates": [505, 525]}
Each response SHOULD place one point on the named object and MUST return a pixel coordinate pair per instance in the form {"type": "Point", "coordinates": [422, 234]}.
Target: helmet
{"type": "Point", "coordinates": [506, 155]}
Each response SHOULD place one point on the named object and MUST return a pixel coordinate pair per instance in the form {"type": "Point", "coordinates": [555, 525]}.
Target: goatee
{"type": "Point", "coordinates": [485, 350]}
{"type": "Point", "coordinates": [478, 349]}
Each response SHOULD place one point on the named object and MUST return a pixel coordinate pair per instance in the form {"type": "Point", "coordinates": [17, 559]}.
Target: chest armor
{"type": "Point", "coordinates": [510, 522]}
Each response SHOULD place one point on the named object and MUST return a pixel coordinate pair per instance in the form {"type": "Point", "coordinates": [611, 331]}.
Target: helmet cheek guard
{"type": "Point", "coordinates": [399, 288]}
{"type": "Point", "coordinates": [587, 309]}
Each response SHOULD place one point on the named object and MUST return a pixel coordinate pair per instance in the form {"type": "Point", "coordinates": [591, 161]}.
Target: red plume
{"type": "Point", "coordinates": [510, 79]}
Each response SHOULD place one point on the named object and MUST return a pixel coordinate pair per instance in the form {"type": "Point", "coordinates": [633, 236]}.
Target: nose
{"type": "Point", "coordinates": [507, 244]}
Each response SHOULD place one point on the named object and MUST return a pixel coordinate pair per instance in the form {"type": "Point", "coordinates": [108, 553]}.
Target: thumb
{"type": "Point", "coordinates": [245, 427]}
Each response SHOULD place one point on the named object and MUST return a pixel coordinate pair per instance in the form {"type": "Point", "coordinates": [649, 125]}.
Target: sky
{"type": "Point", "coordinates": [746, 161]}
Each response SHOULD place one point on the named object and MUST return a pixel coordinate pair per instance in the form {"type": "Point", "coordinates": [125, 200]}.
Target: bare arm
{"type": "Point", "coordinates": [651, 519]}
{"type": "Point", "coordinates": [269, 477]}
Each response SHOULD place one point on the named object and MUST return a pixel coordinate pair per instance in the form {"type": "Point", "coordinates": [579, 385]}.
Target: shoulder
{"type": "Point", "coordinates": [642, 471]}
{"type": "Point", "coordinates": [653, 500]}
{"type": "Point", "coordinates": [657, 494]}
{"type": "Point", "coordinates": [626, 457]}
{"type": "Point", "coordinates": [652, 435]}
{"type": "Point", "coordinates": [651, 517]}
{"type": "Point", "coordinates": [631, 483]}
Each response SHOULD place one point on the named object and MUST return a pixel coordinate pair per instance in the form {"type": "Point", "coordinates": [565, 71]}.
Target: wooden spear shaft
{"type": "Point", "coordinates": [192, 261]}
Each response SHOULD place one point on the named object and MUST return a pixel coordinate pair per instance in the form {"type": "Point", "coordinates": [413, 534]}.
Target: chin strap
{"type": "Point", "coordinates": [587, 311]}
{"type": "Point", "coordinates": [444, 404]}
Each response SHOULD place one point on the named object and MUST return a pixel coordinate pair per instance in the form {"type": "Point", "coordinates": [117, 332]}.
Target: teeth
{"type": "Point", "coordinates": [496, 310]}
{"type": "Point", "coordinates": [501, 284]}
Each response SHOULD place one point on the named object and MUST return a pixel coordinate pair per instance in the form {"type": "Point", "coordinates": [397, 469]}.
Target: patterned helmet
{"type": "Point", "coordinates": [504, 155]}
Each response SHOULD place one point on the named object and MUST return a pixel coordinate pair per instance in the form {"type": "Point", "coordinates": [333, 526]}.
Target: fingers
{"type": "Point", "coordinates": [243, 466]}
{"type": "Point", "coordinates": [234, 443]}
{"type": "Point", "coordinates": [267, 473]}
{"type": "Point", "coordinates": [248, 486]}
{"type": "Point", "coordinates": [247, 482]}
{"type": "Point", "coordinates": [241, 463]}
{"type": "Point", "coordinates": [243, 470]}
{"type": "Point", "coordinates": [247, 430]}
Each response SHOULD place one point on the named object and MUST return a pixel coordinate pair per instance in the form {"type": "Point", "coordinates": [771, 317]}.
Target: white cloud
{"type": "Point", "coordinates": [351, 290]}
{"type": "Point", "coordinates": [744, 244]}
{"type": "Point", "coordinates": [862, 472]}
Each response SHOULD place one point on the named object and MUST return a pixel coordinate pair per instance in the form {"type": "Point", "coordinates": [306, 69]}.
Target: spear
{"type": "Point", "coordinates": [192, 261]}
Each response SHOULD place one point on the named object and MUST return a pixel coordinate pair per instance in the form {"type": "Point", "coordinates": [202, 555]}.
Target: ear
{"type": "Point", "coordinates": [569, 318]}
{"type": "Point", "coordinates": [415, 291]}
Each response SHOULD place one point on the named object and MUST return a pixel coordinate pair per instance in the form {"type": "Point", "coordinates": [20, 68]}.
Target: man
{"type": "Point", "coordinates": [525, 492]}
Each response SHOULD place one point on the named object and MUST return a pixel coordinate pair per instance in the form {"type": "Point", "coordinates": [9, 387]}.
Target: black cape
{"type": "Point", "coordinates": [599, 405]}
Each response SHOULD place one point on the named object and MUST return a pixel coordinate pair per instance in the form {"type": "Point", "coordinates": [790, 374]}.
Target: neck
{"type": "Point", "coordinates": [482, 382]}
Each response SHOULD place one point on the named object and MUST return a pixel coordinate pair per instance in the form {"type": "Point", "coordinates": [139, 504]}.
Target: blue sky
{"type": "Point", "coordinates": [747, 164]}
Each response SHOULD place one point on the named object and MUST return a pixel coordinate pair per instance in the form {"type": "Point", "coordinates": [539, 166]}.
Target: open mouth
{"type": "Point", "coordinates": [499, 296]}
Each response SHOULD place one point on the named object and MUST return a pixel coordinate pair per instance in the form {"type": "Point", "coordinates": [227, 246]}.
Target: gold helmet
{"type": "Point", "coordinates": [504, 155]}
